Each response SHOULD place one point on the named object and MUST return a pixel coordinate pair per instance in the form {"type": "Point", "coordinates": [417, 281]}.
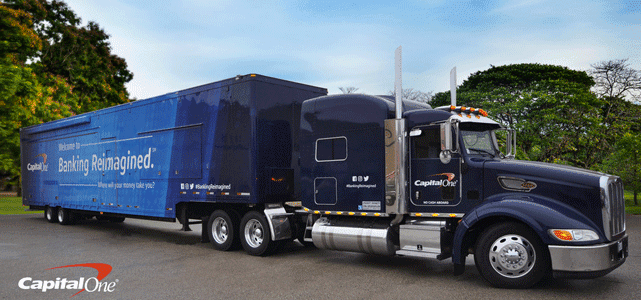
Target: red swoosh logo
{"type": "Point", "coordinates": [450, 176]}
{"type": "Point", "coordinates": [44, 157]}
{"type": "Point", "coordinates": [103, 270]}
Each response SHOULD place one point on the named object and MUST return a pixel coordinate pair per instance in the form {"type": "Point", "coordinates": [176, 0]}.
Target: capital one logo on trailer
{"type": "Point", "coordinates": [39, 166]}
{"type": "Point", "coordinates": [449, 181]}
{"type": "Point", "coordinates": [91, 284]}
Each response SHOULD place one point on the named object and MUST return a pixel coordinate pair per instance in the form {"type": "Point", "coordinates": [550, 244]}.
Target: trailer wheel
{"type": "Point", "coordinates": [511, 255]}
{"type": "Point", "coordinates": [222, 230]}
{"type": "Point", "coordinates": [65, 216]}
{"type": "Point", "coordinates": [51, 214]}
{"type": "Point", "coordinates": [255, 235]}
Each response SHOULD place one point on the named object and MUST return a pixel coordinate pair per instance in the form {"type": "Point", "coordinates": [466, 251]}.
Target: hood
{"type": "Point", "coordinates": [576, 187]}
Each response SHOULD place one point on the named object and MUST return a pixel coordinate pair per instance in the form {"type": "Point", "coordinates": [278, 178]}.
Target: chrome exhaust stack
{"type": "Point", "coordinates": [396, 151]}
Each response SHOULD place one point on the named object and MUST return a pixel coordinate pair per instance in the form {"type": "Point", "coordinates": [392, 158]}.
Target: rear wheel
{"type": "Point", "coordinates": [222, 230]}
{"type": "Point", "coordinates": [510, 255]}
{"type": "Point", "coordinates": [255, 235]}
{"type": "Point", "coordinates": [65, 216]}
{"type": "Point", "coordinates": [51, 214]}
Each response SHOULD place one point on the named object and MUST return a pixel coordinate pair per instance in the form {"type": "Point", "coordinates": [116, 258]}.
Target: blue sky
{"type": "Point", "coordinates": [173, 45]}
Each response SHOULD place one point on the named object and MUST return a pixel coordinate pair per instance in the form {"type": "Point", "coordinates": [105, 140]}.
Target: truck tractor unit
{"type": "Point", "coordinates": [261, 161]}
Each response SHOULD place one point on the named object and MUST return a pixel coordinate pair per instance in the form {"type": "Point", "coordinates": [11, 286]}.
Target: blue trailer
{"type": "Point", "coordinates": [232, 142]}
{"type": "Point", "coordinates": [260, 161]}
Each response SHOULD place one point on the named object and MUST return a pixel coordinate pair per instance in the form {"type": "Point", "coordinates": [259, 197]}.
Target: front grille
{"type": "Point", "coordinates": [617, 207]}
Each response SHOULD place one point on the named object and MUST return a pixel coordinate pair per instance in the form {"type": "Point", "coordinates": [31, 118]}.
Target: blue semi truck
{"type": "Point", "coordinates": [261, 161]}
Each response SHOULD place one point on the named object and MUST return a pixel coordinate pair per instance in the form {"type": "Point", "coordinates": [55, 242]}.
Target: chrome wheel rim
{"type": "Point", "coordinates": [61, 217]}
{"type": "Point", "coordinates": [49, 213]}
{"type": "Point", "coordinates": [512, 256]}
{"type": "Point", "coordinates": [220, 230]}
{"type": "Point", "coordinates": [254, 233]}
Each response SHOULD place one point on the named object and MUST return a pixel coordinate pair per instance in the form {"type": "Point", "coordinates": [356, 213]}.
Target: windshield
{"type": "Point", "coordinates": [479, 142]}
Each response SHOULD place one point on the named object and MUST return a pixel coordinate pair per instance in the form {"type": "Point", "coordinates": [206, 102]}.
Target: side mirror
{"type": "Point", "coordinates": [446, 143]}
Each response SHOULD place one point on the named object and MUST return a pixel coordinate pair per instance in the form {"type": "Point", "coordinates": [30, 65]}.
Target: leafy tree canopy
{"type": "Point", "coordinates": [50, 68]}
{"type": "Point", "coordinates": [556, 117]}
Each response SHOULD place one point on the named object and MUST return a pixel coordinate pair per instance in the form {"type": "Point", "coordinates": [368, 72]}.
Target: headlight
{"type": "Point", "coordinates": [574, 235]}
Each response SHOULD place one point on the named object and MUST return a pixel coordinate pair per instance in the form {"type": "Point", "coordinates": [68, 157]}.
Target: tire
{"type": "Point", "coordinates": [222, 230]}
{"type": "Point", "coordinates": [255, 235]}
{"type": "Point", "coordinates": [65, 216]}
{"type": "Point", "coordinates": [511, 255]}
{"type": "Point", "coordinates": [51, 214]}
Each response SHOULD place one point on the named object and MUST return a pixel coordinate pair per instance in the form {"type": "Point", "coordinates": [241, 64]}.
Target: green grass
{"type": "Point", "coordinates": [13, 206]}
{"type": "Point", "coordinates": [629, 203]}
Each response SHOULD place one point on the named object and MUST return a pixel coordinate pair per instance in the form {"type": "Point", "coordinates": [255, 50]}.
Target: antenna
{"type": "Point", "coordinates": [453, 86]}
{"type": "Point", "coordinates": [398, 82]}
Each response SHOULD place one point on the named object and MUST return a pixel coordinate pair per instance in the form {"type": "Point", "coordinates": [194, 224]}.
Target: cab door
{"type": "Point", "coordinates": [434, 186]}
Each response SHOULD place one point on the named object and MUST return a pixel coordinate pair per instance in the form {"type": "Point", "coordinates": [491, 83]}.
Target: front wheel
{"type": "Point", "coordinates": [510, 255]}
{"type": "Point", "coordinates": [255, 235]}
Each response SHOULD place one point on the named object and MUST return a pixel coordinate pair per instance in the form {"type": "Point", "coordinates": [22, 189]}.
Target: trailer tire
{"type": "Point", "coordinates": [51, 214]}
{"type": "Point", "coordinates": [65, 216]}
{"type": "Point", "coordinates": [255, 235]}
{"type": "Point", "coordinates": [222, 230]}
{"type": "Point", "coordinates": [511, 255]}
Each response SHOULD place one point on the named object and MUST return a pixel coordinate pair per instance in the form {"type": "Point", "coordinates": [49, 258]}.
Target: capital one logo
{"type": "Point", "coordinates": [448, 182]}
{"type": "Point", "coordinates": [91, 284]}
{"type": "Point", "coordinates": [40, 166]}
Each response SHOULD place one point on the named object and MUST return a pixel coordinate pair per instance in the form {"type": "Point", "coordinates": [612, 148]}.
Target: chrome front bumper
{"type": "Point", "coordinates": [588, 261]}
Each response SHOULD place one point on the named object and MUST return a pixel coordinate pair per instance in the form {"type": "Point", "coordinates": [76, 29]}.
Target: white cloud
{"type": "Point", "coordinates": [176, 45]}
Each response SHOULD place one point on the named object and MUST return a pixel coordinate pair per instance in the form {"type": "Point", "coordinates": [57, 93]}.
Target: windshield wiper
{"type": "Point", "coordinates": [481, 151]}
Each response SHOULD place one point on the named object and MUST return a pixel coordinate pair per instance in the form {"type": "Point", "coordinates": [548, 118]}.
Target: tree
{"type": "Point", "coordinates": [618, 86]}
{"type": "Point", "coordinates": [81, 55]}
{"type": "Point", "coordinates": [625, 162]}
{"type": "Point", "coordinates": [615, 79]}
{"type": "Point", "coordinates": [414, 95]}
{"type": "Point", "coordinates": [49, 69]}
{"type": "Point", "coordinates": [348, 90]}
{"type": "Point", "coordinates": [551, 108]}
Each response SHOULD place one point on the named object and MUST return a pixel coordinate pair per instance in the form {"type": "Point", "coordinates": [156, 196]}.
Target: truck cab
{"type": "Point", "coordinates": [462, 193]}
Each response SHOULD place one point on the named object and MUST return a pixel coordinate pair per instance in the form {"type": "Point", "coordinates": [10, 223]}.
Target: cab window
{"type": "Point", "coordinates": [428, 144]}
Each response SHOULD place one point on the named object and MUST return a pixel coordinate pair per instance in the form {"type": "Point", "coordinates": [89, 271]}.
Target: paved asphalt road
{"type": "Point", "coordinates": [154, 260]}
